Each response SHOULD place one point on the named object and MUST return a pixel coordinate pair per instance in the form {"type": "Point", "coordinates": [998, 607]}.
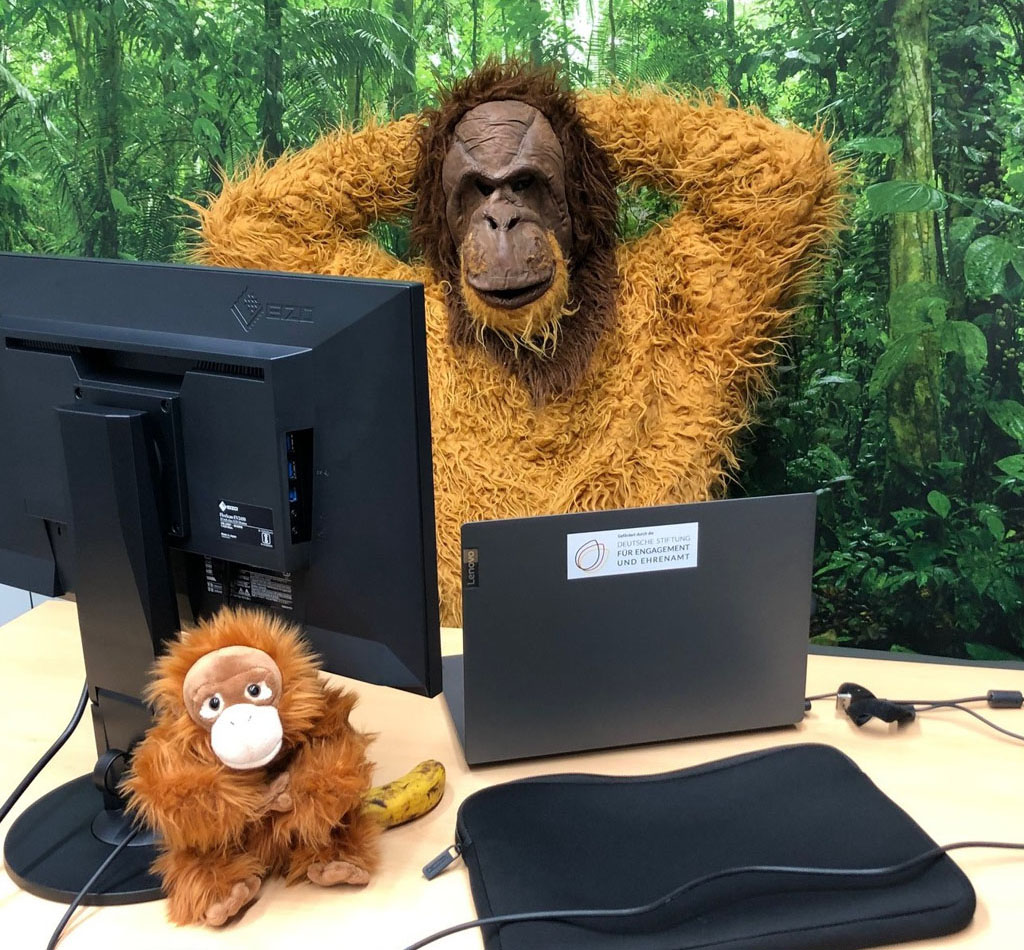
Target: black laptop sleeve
{"type": "Point", "coordinates": [585, 841]}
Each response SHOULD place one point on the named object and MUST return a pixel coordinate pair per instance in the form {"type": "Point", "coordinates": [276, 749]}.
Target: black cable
{"type": "Point", "coordinates": [80, 896]}
{"type": "Point", "coordinates": [940, 702]}
{"type": "Point", "coordinates": [49, 754]}
{"type": "Point", "coordinates": [970, 712]}
{"type": "Point", "coordinates": [995, 698]}
{"type": "Point", "coordinates": [922, 858]}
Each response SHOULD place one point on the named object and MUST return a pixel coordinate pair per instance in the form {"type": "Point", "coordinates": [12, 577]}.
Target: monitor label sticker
{"type": "Point", "coordinates": [257, 587]}
{"type": "Point", "coordinates": [239, 584]}
{"type": "Point", "coordinates": [666, 547]}
{"type": "Point", "coordinates": [246, 523]}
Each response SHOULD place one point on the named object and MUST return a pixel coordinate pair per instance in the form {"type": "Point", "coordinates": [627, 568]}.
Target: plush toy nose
{"type": "Point", "coordinates": [246, 736]}
{"type": "Point", "coordinates": [238, 715]}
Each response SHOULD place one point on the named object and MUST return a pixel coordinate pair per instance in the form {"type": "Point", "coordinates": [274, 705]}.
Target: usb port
{"type": "Point", "coordinates": [299, 481]}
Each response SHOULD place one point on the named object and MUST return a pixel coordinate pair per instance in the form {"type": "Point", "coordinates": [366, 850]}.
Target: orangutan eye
{"type": "Point", "coordinates": [211, 709]}
{"type": "Point", "coordinates": [483, 187]}
{"type": "Point", "coordinates": [522, 183]}
{"type": "Point", "coordinates": [258, 691]}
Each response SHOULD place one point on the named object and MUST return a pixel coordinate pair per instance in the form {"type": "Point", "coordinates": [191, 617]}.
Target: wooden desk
{"type": "Point", "coordinates": [958, 779]}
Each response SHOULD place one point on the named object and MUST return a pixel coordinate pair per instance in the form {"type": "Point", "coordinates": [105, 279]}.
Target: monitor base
{"type": "Point", "coordinates": [58, 842]}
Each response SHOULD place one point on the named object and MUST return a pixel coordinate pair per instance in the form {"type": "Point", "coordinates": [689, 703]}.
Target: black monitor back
{"type": "Point", "coordinates": [179, 438]}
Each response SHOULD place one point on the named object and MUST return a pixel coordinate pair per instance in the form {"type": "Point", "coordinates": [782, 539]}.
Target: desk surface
{"type": "Point", "coordinates": [957, 778]}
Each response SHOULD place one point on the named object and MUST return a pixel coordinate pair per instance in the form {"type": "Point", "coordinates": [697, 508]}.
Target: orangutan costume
{"type": "Point", "coordinates": [250, 768]}
{"type": "Point", "coordinates": [568, 372]}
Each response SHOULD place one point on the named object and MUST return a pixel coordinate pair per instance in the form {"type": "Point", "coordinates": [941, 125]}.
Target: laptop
{"type": "Point", "coordinates": [613, 628]}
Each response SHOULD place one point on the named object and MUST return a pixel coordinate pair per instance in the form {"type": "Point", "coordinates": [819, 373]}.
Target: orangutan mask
{"type": "Point", "coordinates": [504, 186]}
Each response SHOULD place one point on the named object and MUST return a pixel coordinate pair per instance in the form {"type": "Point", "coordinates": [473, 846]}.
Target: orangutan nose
{"type": "Point", "coordinates": [502, 221]}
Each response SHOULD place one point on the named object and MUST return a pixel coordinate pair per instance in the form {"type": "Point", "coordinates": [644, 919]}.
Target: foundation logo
{"type": "Point", "coordinates": [248, 308]}
{"type": "Point", "coordinates": [590, 556]}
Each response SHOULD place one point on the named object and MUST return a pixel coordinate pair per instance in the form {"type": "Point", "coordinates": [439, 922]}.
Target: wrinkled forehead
{"type": "Point", "coordinates": [495, 138]}
{"type": "Point", "coordinates": [221, 666]}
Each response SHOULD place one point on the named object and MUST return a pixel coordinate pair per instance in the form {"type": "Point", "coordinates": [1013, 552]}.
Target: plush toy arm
{"type": "Point", "coordinates": [290, 215]}
{"type": "Point", "coordinates": [192, 804]}
{"type": "Point", "coordinates": [732, 166]}
{"type": "Point", "coordinates": [329, 775]}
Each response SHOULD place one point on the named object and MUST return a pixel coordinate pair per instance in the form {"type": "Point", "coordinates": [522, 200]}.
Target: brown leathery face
{"type": "Point", "coordinates": [516, 216]}
{"type": "Point", "coordinates": [505, 154]}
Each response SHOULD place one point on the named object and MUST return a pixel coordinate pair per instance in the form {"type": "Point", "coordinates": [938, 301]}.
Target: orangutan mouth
{"type": "Point", "coordinates": [510, 298]}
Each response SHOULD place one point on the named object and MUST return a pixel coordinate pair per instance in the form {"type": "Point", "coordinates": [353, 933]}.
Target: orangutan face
{"type": "Point", "coordinates": [504, 186]}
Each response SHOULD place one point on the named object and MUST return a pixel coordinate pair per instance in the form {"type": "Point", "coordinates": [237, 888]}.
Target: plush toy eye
{"type": "Point", "coordinates": [258, 691]}
{"type": "Point", "coordinates": [211, 708]}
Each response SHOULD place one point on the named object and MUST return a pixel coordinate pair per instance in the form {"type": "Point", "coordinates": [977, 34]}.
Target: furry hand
{"type": "Point", "coordinates": [277, 797]}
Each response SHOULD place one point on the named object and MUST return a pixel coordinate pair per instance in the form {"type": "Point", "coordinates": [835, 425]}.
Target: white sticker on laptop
{"type": "Point", "coordinates": [663, 547]}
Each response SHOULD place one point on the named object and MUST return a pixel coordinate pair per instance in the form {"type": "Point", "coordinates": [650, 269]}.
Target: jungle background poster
{"type": "Point", "coordinates": [898, 398]}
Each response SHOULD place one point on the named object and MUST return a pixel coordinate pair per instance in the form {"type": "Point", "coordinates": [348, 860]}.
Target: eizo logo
{"type": "Point", "coordinates": [248, 308]}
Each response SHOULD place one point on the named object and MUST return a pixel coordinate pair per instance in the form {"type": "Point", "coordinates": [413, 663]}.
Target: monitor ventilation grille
{"type": "Point", "coordinates": [230, 369]}
{"type": "Point", "coordinates": [41, 346]}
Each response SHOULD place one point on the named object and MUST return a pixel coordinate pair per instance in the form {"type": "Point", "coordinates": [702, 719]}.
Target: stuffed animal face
{"type": "Point", "coordinates": [233, 693]}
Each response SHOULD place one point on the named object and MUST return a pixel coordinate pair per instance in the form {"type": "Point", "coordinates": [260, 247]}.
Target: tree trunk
{"type": "Point", "coordinates": [403, 90]}
{"type": "Point", "coordinates": [357, 93]}
{"type": "Point", "coordinates": [613, 68]}
{"type": "Point", "coordinates": [474, 59]}
{"type": "Point", "coordinates": [272, 106]}
{"type": "Point", "coordinates": [565, 36]}
{"type": "Point", "coordinates": [914, 415]}
{"type": "Point", "coordinates": [102, 241]}
{"type": "Point", "coordinates": [536, 47]}
{"type": "Point", "coordinates": [732, 54]}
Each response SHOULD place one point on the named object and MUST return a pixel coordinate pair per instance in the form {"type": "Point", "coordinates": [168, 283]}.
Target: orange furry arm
{"type": "Point", "coordinates": [758, 203]}
{"type": "Point", "coordinates": [193, 804]}
{"type": "Point", "coordinates": [734, 166]}
{"type": "Point", "coordinates": [300, 212]}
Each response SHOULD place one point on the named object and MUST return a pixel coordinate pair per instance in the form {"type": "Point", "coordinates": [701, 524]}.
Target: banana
{"type": "Point", "coordinates": [408, 797]}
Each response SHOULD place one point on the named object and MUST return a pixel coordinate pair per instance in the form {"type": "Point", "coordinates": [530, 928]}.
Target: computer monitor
{"type": "Point", "coordinates": [174, 439]}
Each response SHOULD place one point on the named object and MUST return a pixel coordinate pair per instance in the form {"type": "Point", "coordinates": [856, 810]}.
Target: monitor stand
{"type": "Point", "coordinates": [126, 608]}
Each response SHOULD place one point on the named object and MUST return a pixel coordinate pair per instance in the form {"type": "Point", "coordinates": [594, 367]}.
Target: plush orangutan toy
{"type": "Point", "coordinates": [568, 371]}
{"type": "Point", "coordinates": [250, 768]}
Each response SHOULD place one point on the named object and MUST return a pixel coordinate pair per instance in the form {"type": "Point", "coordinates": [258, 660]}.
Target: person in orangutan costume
{"type": "Point", "coordinates": [568, 371]}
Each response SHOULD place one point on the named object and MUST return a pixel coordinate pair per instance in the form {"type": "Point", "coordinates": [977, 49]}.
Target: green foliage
{"type": "Point", "coordinates": [986, 265]}
{"type": "Point", "coordinates": [903, 197]}
{"type": "Point", "coordinates": [1008, 414]}
{"type": "Point", "coordinates": [927, 558]}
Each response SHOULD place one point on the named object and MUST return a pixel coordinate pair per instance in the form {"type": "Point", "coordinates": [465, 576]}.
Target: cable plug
{"type": "Point", "coordinates": [861, 705]}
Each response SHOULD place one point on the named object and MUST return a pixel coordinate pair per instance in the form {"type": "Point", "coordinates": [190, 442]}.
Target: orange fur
{"type": "Point", "coordinates": [702, 304]}
{"type": "Point", "coordinates": [218, 830]}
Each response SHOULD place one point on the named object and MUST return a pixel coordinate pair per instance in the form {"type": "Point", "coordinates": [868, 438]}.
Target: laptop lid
{"type": "Point", "coordinates": [612, 628]}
